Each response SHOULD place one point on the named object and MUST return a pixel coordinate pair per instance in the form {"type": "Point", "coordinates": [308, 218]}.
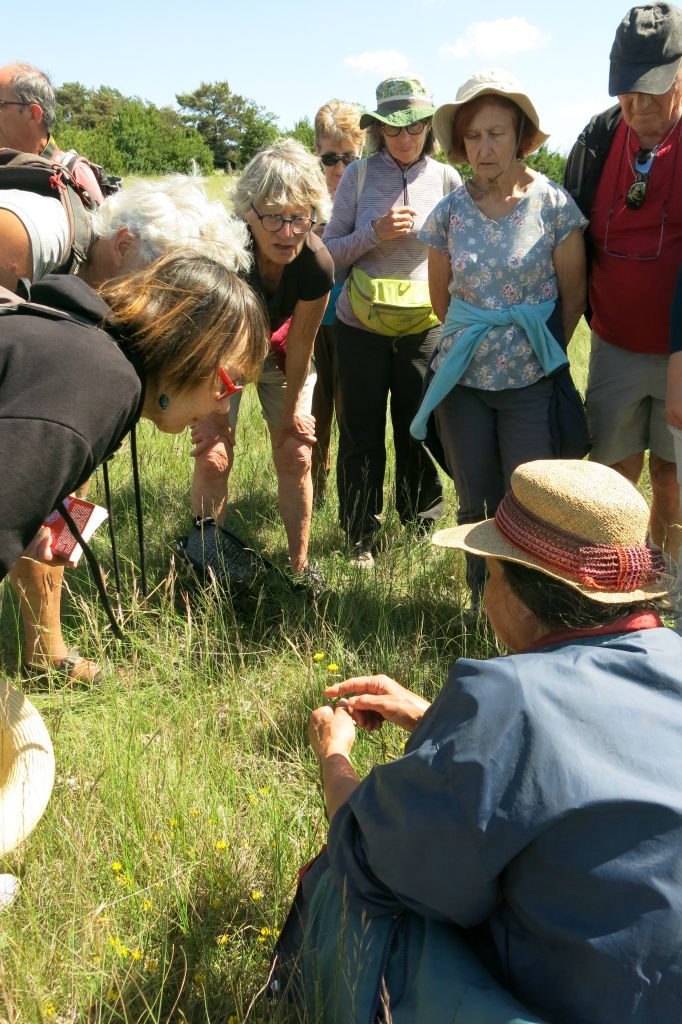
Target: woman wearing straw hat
{"type": "Point", "coordinates": [539, 798]}
{"type": "Point", "coordinates": [507, 278]}
{"type": "Point", "coordinates": [386, 331]}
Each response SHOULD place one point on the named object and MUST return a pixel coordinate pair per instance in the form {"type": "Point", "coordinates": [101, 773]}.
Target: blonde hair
{"type": "Point", "coordinates": [181, 318]}
{"type": "Point", "coordinates": [339, 119]}
{"type": "Point", "coordinates": [284, 174]}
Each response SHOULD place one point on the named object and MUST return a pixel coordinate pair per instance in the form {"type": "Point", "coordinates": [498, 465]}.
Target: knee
{"type": "Point", "coordinates": [292, 458]}
{"type": "Point", "coordinates": [663, 475]}
{"type": "Point", "coordinates": [215, 463]}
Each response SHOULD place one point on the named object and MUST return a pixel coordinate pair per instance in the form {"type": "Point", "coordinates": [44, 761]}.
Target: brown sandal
{"type": "Point", "coordinates": [73, 669]}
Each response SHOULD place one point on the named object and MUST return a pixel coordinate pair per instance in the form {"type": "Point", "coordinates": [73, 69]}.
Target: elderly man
{"type": "Point", "coordinates": [625, 172]}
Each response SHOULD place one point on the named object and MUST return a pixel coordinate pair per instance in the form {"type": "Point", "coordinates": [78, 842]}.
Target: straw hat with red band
{"type": "Point", "coordinates": [579, 522]}
{"type": "Point", "coordinates": [26, 768]}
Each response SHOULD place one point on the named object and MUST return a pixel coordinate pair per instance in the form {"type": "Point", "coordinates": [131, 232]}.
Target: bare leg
{"type": "Point", "coordinates": [39, 588]}
{"type": "Point", "coordinates": [292, 458]}
{"type": "Point", "coordinates": [666, 516]}
{"type": "Point", "coordinates": [213, 453]}
{"type": "Point", "coordinates": [631, 467]}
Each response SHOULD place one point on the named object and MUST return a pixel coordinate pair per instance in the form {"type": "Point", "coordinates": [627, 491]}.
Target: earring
{"type": "Point", "coordinates": [164, 401]}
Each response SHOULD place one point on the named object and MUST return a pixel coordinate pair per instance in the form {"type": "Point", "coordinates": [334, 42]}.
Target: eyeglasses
{"type": "Point", "coordinates": [636, 255]}
{"type": "Point", "coordinates": [275, 222]}
{"type": "Point", "coordinates": [332, 159]}
{"type": "Point", "coordinates": [230, 387]}
{"type": "Point", "coordinates": [416, 128]}
{"type": "Point", "coordinates": [636, 194]}
{"type": "Point", "coordinates": [12, 103]}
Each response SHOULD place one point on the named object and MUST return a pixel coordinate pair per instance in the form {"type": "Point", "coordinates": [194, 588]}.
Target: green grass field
{"type": "Point", "coordinates": [186, 796]}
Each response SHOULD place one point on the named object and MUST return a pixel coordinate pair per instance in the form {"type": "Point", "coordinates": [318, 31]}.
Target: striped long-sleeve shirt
{"type": "Point", "coordinates": [350, 237]}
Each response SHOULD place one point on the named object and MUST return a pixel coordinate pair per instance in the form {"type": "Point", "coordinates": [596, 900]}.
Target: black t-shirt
{"type": "Point", "coordinates": [68, 396]}
{"type": "Point", "coordinates": [308, 277]}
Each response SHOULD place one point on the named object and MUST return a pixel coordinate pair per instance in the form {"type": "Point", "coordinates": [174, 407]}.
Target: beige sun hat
{"type": "Point", "coordinates": [576, 521]}
{"type": "Point", "coordinates": [490, 82]}
{"type": "Point", "coordinates": [26, 767]}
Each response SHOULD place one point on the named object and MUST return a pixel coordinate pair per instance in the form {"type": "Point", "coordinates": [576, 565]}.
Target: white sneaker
{"type": "Point", "coordinates": [9, 889]}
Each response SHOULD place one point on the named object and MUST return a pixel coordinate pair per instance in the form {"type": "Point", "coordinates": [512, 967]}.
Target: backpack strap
{"type": "Point", "coordinates": [362, 178]}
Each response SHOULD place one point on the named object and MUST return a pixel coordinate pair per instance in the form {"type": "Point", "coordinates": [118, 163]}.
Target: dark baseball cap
{"type": "Point", "coordinates": [647, 50]}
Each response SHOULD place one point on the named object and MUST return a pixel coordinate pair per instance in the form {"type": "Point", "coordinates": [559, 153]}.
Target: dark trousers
{"type": "Point", "coordinates": [485, 435]}
{"type": "Point", "coordinates": [323, 404]}
{"type": "Point", "coordinates": [370, 368]}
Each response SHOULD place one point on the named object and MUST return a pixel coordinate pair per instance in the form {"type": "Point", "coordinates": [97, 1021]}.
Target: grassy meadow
{"type": "Point", "coordinates": [186, 797]}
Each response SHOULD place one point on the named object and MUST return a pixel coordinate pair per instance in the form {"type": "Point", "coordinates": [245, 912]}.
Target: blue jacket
{"type": "Point", "coordinates": [541, 796]}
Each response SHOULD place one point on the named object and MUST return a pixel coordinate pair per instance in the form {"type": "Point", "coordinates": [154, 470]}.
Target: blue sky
{"type": "Point", "coordinates": [291, 57]}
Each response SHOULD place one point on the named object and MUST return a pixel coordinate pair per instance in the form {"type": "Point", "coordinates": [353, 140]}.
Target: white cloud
{"type": "Point", "coordinates": [492, 38]}
{"type": "Point", "coordinates": [379, 62]}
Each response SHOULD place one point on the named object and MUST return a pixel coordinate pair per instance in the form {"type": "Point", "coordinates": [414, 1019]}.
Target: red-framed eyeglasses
{"type": "Point", "coordinates": [230, 387]}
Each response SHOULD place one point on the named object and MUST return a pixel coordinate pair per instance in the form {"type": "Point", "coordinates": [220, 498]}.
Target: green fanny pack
{"type": "Point", "coordinates": [389, 305]}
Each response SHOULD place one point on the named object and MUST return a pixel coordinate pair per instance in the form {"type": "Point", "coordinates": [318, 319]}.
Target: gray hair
{"type": "Point", "coordinates": [285, 174]}
{"type": "Point", "coordinates": [31, 85]}
{"type": "Point", "coordinates": [171, 214]}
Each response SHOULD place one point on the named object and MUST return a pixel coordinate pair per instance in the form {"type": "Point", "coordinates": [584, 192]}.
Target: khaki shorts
{"type": "Point", "coordinates": [626, 404]}
{"type": "Point", "coordinates": [272, 393]}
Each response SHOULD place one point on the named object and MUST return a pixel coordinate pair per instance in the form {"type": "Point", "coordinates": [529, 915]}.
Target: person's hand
{"type": "Point", "coordinates": [40, 547]}
{"type": "Point", "coordinates": [208, 432]}
{"type": "Point", "coordinates": [397, 222]}
{"type": "Point", "coordinates": [331, 731]}
{"type": "Point", "coordinates": [300, 426]}
{"type": "Point", "coordinates": [375, 699]}
{"type": "Point", "coordinates": [673, 401]}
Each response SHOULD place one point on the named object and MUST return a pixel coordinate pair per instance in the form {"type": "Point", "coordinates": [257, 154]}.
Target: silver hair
{"type": "Point", "coordinates": [285, 174]}
{"type": "Point", "coordinates": [174, 213]}
{"type": "Point", "coordinates": [31, 85]}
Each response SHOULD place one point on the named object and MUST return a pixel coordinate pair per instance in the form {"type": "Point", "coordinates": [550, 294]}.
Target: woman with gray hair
{"type": "Point", "coordinates": [131, 229]}
{"type": "Point", "coordinates": [281, 194]}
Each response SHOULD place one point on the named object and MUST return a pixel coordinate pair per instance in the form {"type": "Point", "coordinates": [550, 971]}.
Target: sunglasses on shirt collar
{"type": "Point", "coordinates": [636, 194]}
{"type": "Point", "coordinates": [332, 159]}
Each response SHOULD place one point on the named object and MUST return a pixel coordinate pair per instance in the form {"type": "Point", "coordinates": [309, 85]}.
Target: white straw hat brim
{"type": "Point", "coordinates": [26, 768]}
{"type": "Point", "coordinates": [485, 539]}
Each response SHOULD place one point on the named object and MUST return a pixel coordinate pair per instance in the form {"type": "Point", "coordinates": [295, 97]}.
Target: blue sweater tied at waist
{"type": "Point", "coordinates": [477, 323]}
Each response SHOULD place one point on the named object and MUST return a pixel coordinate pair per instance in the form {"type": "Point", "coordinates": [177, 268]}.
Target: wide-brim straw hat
{"type": "Point", "coordinates": [401, 100]}
{"type": "Point", "coordinates": [491, 82]}
{"type": "Point", "coordinates": [26, 768]}
{"type": "Point", "coordinates": [579, 522]}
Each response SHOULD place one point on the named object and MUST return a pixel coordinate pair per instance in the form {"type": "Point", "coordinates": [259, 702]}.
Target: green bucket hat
{"type": "Point", "coordinates": [401, 100]}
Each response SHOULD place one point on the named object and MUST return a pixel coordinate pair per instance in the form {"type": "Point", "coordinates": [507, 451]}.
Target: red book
{"type": "Point", "coordinates": [87, 518]}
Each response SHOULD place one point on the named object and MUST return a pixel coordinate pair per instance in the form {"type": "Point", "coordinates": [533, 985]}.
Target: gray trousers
{"type": "Point", "coordinates": [485, 436]}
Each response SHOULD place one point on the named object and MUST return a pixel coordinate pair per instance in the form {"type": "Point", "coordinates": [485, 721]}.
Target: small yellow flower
{"type": "Point", "coordinates": [332, 667]}
{"type": "Point", "coordinates": [256, 895]}
{"type": "Point", "coordinates": [275, 932]}
{"type": "Point", "coordinates": [261, 938]}
{"type": "Point", "coordinates": [122, 879]}
{"type": "Point", "coordinates": [263, 790]}
{"type": "Point", "coordinates": [113, 941]}
{"type": "Point", "coordinates": [136, 954]}
{"type": "Point", "coordinates": [172, 822]}
{"type": "Point", "coordinates": [147, 905]}
{"type": "Point", "coordinates": [252, 799]}
{"type": "Point", "coordinates": [211, 821]}
{"type": "Point", "coordinates": [221, 844]}
{"type": "Point", "coordinates": [49, 1009]}
{"type": "Point", "coordinates": [222, 940]}
{"type": "Point", "coordinates": [194, 812]}
{"type": "Point", "coordinates": [320, 656]}
{"type": "Point", "coordinates": [265, 931]}
{"type": "Point", "coordinates": [116, 866]}
{"type": "Point", "coordinates": [122, 951]}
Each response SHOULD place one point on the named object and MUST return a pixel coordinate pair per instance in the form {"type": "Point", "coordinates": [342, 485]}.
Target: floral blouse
{"type": "Point", "coordinates": [496, 264]}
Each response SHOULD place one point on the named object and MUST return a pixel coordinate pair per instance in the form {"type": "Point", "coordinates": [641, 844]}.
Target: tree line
{"type": "Point", "coordinates": [213, 126]}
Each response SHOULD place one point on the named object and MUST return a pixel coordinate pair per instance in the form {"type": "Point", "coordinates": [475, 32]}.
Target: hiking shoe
{"type": "Point", "coordinates": [212, 550]}
{"type": "Point", "coordinates": [310, 579]}
{"type": "Point", "coordinates": [361, 556]}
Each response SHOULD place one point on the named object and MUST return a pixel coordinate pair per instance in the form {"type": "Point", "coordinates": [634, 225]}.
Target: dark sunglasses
{"type": "Point", "coordinates": [332, 159]}
{"type": "Point", "coordinates": [636, 194]}
{"type": "Point", "coordinates": [393, 130]}
{"type": "Point", "coordinates": [230, 387]}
